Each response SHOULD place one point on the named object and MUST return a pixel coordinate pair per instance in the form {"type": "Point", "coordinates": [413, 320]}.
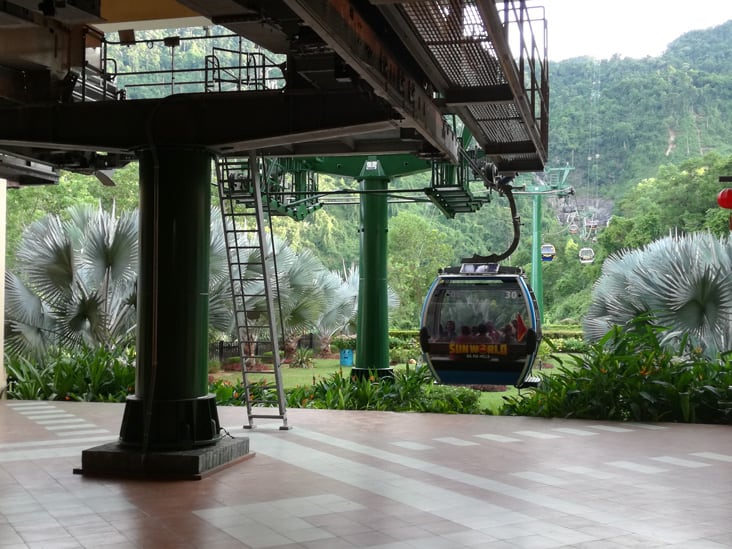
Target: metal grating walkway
{"type": "Point", "coordinates": [463, 46]}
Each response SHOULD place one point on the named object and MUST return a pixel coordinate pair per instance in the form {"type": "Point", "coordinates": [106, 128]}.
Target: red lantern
{"type": "Point", "coordinates": [724, 198]}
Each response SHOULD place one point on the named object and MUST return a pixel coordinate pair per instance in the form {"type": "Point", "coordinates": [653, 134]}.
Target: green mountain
{"type": "Point", "coordinates": [618, 120]}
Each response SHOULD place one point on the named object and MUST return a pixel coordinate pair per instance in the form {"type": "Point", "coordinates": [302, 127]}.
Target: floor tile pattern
{"type": "Point", "coordinates": [341, 480]}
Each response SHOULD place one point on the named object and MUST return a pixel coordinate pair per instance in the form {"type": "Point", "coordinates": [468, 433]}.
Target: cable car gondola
{"type": "Point", "coordinates": [548, 252]}
{"type": "Point", "coordinates": [480, 323]}
{"type": "Point", "coordinates": [586, 255]}
{"type": "Point", "coordinates": [480, 326]}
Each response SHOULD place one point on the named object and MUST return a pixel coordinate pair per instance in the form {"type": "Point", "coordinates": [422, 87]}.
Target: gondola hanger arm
{"type": "Point", "coordinates": [503, 186]}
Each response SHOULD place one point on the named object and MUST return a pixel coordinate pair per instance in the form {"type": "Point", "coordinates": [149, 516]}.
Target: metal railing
{"type": "Point", "coordinates": [226, 65]}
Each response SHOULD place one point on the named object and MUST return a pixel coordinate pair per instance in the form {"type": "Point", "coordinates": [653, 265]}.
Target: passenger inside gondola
{"type": "Point", "coordinates": [449, 332]}
{"type": "Point", "coordinates": [482, 335]}
{"type": "Point", "coordinates": [509, 333]}
{"type": "Point", "coordinates": [464, 337]}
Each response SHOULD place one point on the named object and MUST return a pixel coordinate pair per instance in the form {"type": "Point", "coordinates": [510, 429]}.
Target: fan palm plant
{"type": "Point", "coordinates": [684, 284]}
{"type": "Point", "coordinates": [340, 312]}
{"type": "Point", "coordinates": [299, 281]}
{"type": "Point", "coordinates": [75, 285]}
{"type": "Point", "coordinates": [220, 307]}
{"type": "Point", "coordinates": [76, 275]}
{"type": "Point", "coordinates": [75, 282]}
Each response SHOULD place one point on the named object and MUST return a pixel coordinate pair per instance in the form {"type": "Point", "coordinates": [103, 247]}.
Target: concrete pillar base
{"type": "Point", "coordinates": [174, 424]}
{"type": "Point", "coordinates": [115, 460]}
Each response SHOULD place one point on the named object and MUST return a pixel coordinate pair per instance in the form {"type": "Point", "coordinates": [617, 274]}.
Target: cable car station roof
{"type": "Point", "coordinates": [362, 77]}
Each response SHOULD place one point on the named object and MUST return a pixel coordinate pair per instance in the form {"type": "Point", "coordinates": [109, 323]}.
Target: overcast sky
{"type": "Point", "coordinates": [631, 28]}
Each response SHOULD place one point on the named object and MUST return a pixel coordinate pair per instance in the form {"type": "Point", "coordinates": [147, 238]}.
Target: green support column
{"type": "Point", "coordinates": [171, 408]}
{"type": "Point", "coordinates": [372, 351]}
{"type": "Point", "coordinates": [537, 283]}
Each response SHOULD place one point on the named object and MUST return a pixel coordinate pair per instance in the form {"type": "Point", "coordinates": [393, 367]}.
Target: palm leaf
{"type": "Point", "coordinates": [29, 326]}
{"type": "Point", "coordinates": [46, 256]}
{"type": "Point", "coordinates": [110, 248]}
{"type": "Point", "coordinates": [683, 281]}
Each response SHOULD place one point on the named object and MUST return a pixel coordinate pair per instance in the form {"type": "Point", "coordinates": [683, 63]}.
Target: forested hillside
{"type": "Point", "coordinates": [647, 140]}
{"type": "Point", "coordinates": [617, 120]}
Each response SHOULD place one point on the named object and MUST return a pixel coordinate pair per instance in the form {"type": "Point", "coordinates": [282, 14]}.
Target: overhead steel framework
{"type": "Point", "coordinates": [410, 65]}
{"type": "Point", "coordinates": [464, 50]}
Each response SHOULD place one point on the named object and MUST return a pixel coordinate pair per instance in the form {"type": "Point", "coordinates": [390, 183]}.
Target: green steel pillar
{"type": "Point", "coordinates": [537, 283]}
{"type": "Point", "coordinates": [171, 408]}
{"type": "Point", "coordinates": [372, 349]}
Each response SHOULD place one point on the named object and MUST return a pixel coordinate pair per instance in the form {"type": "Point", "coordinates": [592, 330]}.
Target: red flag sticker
{"type": "Point", "coordinates": [520, 327]}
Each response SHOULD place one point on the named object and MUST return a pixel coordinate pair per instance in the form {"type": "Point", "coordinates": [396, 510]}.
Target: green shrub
{"type": "Point", "coordinates": [27, 381]}
{"type": "Point", "coordinates": [303, 358]}
{"type": "Point", "coordinates": [395, 335]}
{"type": "Point", "coordinates": [94, 375]}
{"type": "Point", "coordinates": [628, 376]}
{"type": "Point", "coordinates": [411, 389]}
{"type": "Point", "coordinates": [227, 393]}
{"type": "Point", "coordinates": [234, 394]}
{"type": "Point", "coordinates": [342, 343]}
{"type": "Point", "coordinates": [403, 349]}
{"type": "Point", "coordinates": [443, 399]}
{"type": "Point", "coordinates": [561, 331]}
{"type": "Point", "coordinates": [303, 396]}
{"type": "Point", "coordinates": [567, 344]}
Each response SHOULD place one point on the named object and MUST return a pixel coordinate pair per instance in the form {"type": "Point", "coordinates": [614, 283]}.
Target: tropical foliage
{"type": "Point", "coordinates": [682, 282]}
{"type": "Point", "coordinates": [409, 390]}
{"type": "Point", "coordinates": [74, 286]}
{"type": "Point", "coordinates": [93, 375]}
{"type": "Point", "coordinates": [75, 282]}
{"type": "Point", "coordinates": [340, 313]}
{"type": "Point", "coordinates": [629, 376]}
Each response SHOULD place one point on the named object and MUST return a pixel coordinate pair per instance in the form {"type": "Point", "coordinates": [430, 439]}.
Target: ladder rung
{"type": "Point", "coordinates": [265, 416]}
{"type": "Point", "coordinates": [263, 403]}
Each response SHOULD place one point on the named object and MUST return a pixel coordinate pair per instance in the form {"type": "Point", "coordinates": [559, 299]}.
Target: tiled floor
{"type": "Point", "coordinates": [371, 479]}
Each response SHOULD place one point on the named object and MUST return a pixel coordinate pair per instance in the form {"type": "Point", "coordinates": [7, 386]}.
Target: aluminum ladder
{"type": "Point", "coordinates": [252, 271]}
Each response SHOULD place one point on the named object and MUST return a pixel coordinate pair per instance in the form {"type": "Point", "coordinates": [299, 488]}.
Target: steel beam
{"type": "Point", "coordinates": [223, 123]}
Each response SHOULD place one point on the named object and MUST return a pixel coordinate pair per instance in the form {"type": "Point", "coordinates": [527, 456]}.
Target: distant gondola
{"type": "Point", "coordinates": [480, 326]}
{"type": "Point", "coordinates": [548, 252]}
{"type": "Point", "coordinates": [586, 255]}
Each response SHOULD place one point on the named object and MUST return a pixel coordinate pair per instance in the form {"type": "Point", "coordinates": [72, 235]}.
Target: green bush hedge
{"type": "Point", "coordinates": [409, 390]}
{"type": "Point", "coordinates": [627, 376]}
{"type": "Point", "coordinates": [95, 375]}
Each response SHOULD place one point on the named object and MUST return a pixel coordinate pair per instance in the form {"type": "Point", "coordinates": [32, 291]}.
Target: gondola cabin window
{"type": "Point", "coordinates": [491, 312]}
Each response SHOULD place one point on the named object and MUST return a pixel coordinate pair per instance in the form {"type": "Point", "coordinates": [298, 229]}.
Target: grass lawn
{"type": "Point", "coordinates": [324, 367]}
{"type": "Point", "coordinates": [293, 377]}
